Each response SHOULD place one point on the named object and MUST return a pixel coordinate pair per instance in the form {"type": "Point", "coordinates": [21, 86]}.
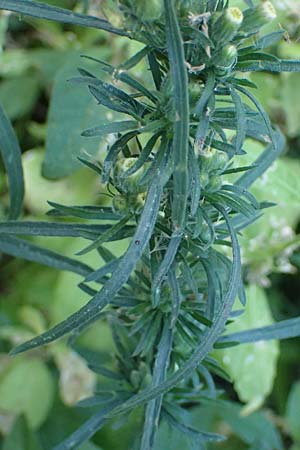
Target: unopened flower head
{"type": "Point", "coordinates": [268, 10]}
{"type": "Point", "coordinates": [255, 18]}
{"type": "Point", "coordinates": [226, 26]}
{"type": "Point", "coordinates": [234, 15]}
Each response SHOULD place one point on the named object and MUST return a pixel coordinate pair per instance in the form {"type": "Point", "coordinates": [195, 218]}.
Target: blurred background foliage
{"type": "Point", "coordinates": [38, 390]}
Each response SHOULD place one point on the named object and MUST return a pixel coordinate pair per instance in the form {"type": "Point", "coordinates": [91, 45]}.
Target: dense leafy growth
{"type": "Point", "coordinates": [176, 194]}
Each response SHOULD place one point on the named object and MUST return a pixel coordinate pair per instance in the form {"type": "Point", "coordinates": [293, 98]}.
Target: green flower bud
{"type": "Point", "coordinates": [255, 18]}
{"type": "Point", "coordinates": [226, 26]}
{"type": "Point", "coordinates": [220, 162]}
{"type": "Point", "coordinates": [135, 379]}
{"type": "Point", "coordinates": [194, 93]}
{"type": "Point", "coordinates": [215, 184]}
{"type": "Point", "coordinates": [119, 204]}
{"type": "Point", "coordinates": [129, 183]}
{"type": "Point", "coordinates": [212, 161]}
{"type": "Point", "coordinates": [225, 59]}
{"type": "Point", "coordinates": [136, 202]}
{"type": "Point", "coordinates": [205, 235]}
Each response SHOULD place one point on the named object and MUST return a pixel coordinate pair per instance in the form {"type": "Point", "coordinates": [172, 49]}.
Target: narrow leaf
{"type": "Point", "coordinates": [11, 155]}
{"type": "Point", "coordinates": [44, 11]}
{"type": "Point", "coordinates": [114, 284]}
{"type": "Point", "coordinates": [110, 128]}
{"type": "Point", "coordinates": [181, 126]}
{"type": "Point", "coordinates": [31, 252]}
{"type": "Point", "coordinates": [284, 329]}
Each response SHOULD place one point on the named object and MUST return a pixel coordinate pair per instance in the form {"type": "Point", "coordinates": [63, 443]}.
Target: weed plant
{"type": "Point", "coordinates": [177, 195]}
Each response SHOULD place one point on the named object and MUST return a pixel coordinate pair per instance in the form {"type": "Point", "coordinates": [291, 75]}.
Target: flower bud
{"type": "Point", "coordinates": [225, 59]}
{"type": "Point", "coordinates": [120, 204]}
{"type": "Point", "coordinates": [255, 18]}
{"type": "Point", "coordinates": [215, 184]}
{"type": "Point", "coordinates": [212, 161]}
{"type": "Point", "coordinates": [129, 183]}
{"type": "Point", "coordinates": [226, 26]}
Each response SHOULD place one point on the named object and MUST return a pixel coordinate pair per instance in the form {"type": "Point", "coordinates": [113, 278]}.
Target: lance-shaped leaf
{"type": "Point", "coordinates": [263, 114]}
{"type": "Point", "coordinates": [87, 231]}
{"type": "Point", "coordinates": [285, 329]}
{"type": "Point", "coordinates": [181, 126]}
{"type": "Point", "coordinates": [31, 252]}
{"type": "Point", "coordinates": [209, 337]}
{"type": "Point", "coordinates": [44, 11]}
{"type": "Point", "coordinates": [122, 75]}
{"type": "Point", "coordinates": [263, 162]}
{"type": "Point", "coordinates": [110, 128]}
{"type": "Point", "coordinates": [292, 65]}
{"type": "Point", "coordinates": [84, 211]}
{"type": "Point", "coordinates": [159, 375]}
{"type": "Point", "coordinates": [241, 120]}
{"type": "Point", "coordinates": [194, 434]}
{"type": "Point", "coordinates": [11, 155]}
{"type": "Point", "coordinates": [115, 283]}
{"type": "Point", "coordinates": [88, 429]}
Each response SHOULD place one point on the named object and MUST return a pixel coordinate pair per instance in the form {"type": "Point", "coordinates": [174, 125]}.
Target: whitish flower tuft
{"type": "Point", "coordinates": [234, 15]}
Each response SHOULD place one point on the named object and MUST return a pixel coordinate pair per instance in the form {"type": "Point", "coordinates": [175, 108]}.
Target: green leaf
{"type": "Point", "coordinates": [293, 412]}
{"type": "Point", "coordinates": [119, 73]}
{"type": "Point", "coordinates": [289, 101]}
{"type": "Point", "coordinates": [110, 128]}
{"type": "Point", "coordinates": [88, 429]}
{"type": "Point", "coordinates": [153, 408]}
{"type": "Point", "coordinates": [194, 434]}
{"type": "Point", "coordinates": [144, 155]}
{"type": "Point", "coordinates": [241, 120]}
{"type": "Point", "coordinates": [252, 366]}
{"type": "Point", "coordinates": [262, 113]}
{"type": "Point", "coordinates": [181, 126]}
{"type": "Point", "coordinates": [263, 162]}
{"type": "Point", "coordinates": [291, 65]}
{"type": "Point", "coordinates": [32, 398]}
{"type": "Point", "coordinates": [19, 94]}
{"type": "Point", "coordinates": [269, 39]}
{"type": "Point", "coordinates": [107, 236]}
{"type": "Point", "coordinates": [84, 212]}
{"type": "Point", "coordinates": [285, 329]}
{"type": "Point", "coordinates": [11, 154]}
{"type": "Point", "coordinates": [31, 252]}
{"type": "Point", "coordinates": [114, 284]}
{"type": "Point", "coordinates": [209, 336]}
{"type": "Point", "coordinates": [44, 11]}
{"type": "Point", "coordinates": [61, 229]}
{"type": "Point", "coordinates": [255, 428]}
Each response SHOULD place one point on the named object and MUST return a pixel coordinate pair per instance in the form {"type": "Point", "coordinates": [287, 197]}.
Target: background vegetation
{"type": "Point", "coordinates": [38, 390]}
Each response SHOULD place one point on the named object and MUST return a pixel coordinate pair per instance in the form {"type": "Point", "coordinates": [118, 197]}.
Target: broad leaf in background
{"type": "Point", "coordinates": [11, 155]}
{"type": "Point", "coordinates": [33, 398]}
{"type": "Point", "coordinates": [19, 95]}
{"type": "Point", "coordinates": [290, 102]}
{"type": "Point", "coordinates": [252, 366]}
{"type": "Point", "coordinates": [253, 429]}
{"type": "Point", "coordinates": [268, 243]}
{"type": "Point", "coordinates": [293, 412]}
{"type": "Point", "coordinates": [72, 110]}
{"type": "Point", "coordinates": [80, 187]}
